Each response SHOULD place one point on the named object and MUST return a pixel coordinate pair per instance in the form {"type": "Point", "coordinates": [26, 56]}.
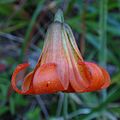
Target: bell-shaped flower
{"type": "Point", "coordinates": [61, 67]}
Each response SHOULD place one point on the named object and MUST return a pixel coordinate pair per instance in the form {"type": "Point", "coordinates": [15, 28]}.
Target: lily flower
{"type": "Point", "coordinates": [61, 67]}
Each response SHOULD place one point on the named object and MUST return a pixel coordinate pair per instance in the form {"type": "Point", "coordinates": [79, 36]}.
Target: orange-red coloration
{"type": "Point", "coordinates": [61, 67]}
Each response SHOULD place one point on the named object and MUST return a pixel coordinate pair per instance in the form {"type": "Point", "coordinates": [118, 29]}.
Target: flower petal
{"type": "Point", "coordinates": [47, 80]}
{"type": "Point", "coordinates": [53, 52]}
{"type": "Point", "coordinates": [106, 78]}
{"type": "Point", "coordinates": [27, 83]}
{"type": "Point", "coordinates": [99, 77]}
{"type": "Point", "coordinates": [75, 72]}
{"type": "Point", "coordinates": [77, 76]}
{"type": "Point", "coordinates": [17, 70]}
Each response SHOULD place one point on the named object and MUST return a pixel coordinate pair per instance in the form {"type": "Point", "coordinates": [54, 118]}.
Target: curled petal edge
{"type": "Point", "coordinates": [106, 77]}
{"type": "Point", "coordinates": [17, 70]}
{"type": "Point", "coordinates": [100, 78]}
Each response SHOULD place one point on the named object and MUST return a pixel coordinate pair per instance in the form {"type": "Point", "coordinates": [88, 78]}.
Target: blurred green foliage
{"type": "Point", "coordinates": [22, 30]}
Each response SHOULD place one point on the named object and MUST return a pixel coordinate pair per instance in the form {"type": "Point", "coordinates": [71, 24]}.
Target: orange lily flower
{"type": "Point", "coordinates": [61, 67]}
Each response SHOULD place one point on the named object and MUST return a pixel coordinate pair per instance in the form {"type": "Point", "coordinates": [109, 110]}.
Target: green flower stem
{"type": "Point", "coordinates": [59, 16]}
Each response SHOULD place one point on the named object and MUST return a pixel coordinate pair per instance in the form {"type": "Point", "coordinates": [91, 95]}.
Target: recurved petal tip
{"type": "Point", "coordinates": [100, 79]}
{"type": "Point", "coordinates": [14, 81]}
{"type": "Point", "coordinates": [106, 78]}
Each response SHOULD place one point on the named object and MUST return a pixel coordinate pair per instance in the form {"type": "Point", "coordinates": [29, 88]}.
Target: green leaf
{"type": "Point", "coordinates": [113, 95]}
{"type": "Point", "coordinates": [12, 106]}
{"type": "Point", "coordinates": [31, 24]}
{"type": "Point", "coordinates": [3, 110]}
{"type": "Point", "coordinates": [75, 98]}
{"type": "Point", "coordinates": [6, 1]}
{"type": "Point", "coordinates": [33, 114]}
{"type": "Point", "coordinates": [5, 10]}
